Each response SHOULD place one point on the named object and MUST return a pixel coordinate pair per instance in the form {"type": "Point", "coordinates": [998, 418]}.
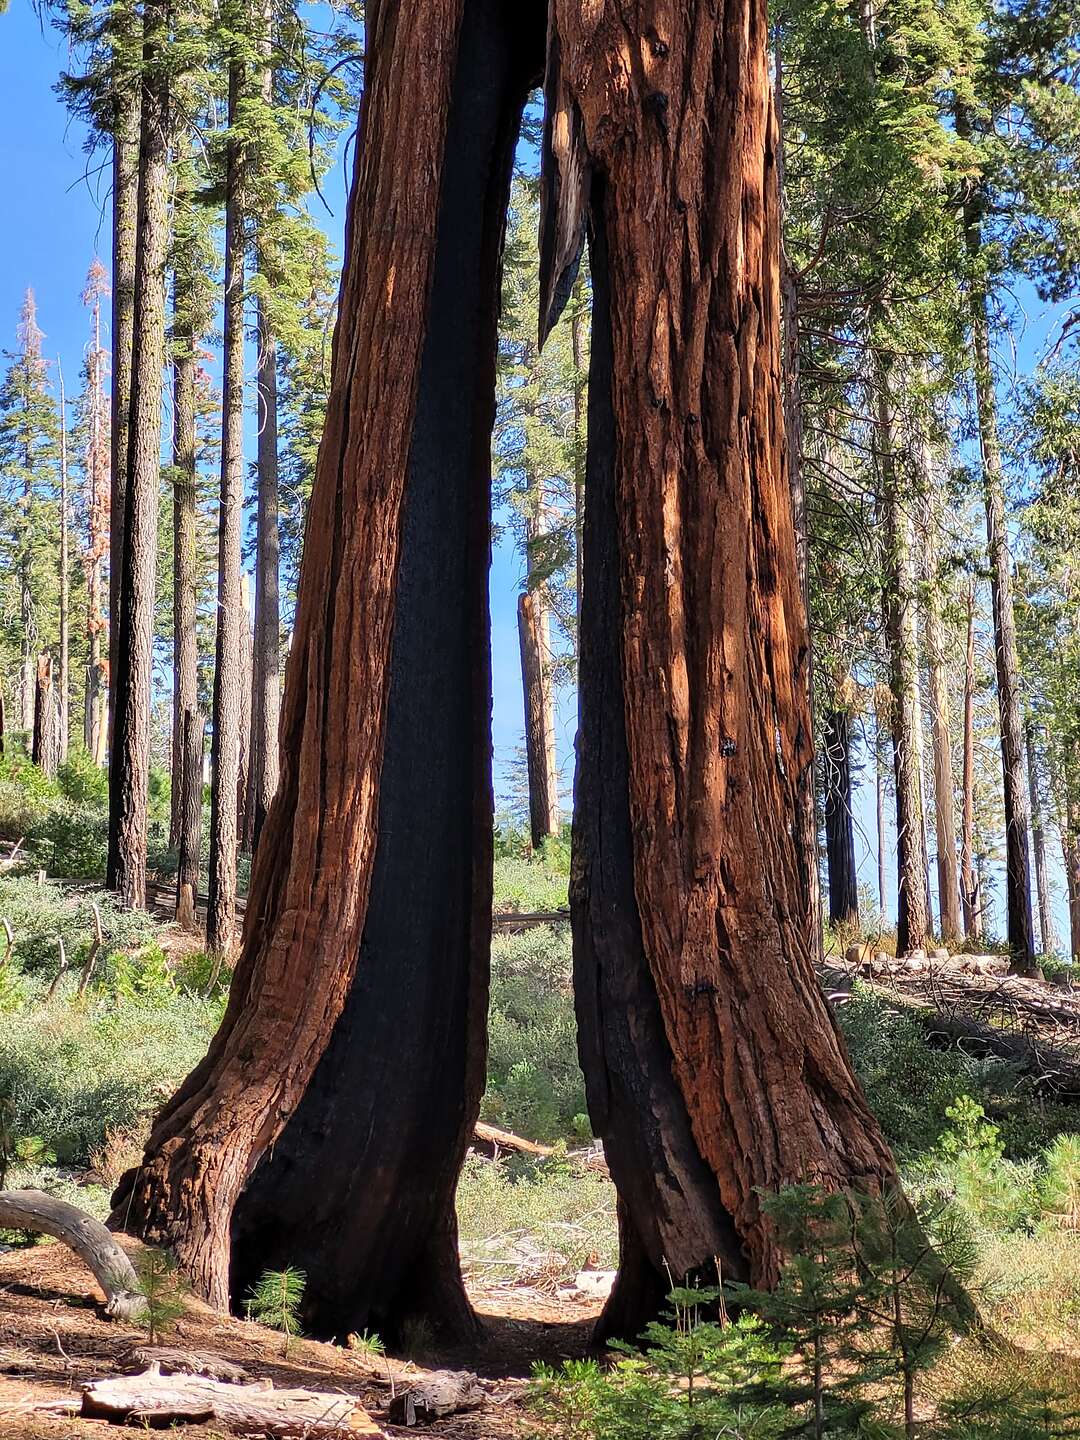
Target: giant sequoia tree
{"type": "Point", "coordinates": [327, 1124]}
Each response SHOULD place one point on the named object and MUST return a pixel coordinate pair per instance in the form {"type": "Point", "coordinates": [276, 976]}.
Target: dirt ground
{"type": "Point", "coordinates": [54, 1336]}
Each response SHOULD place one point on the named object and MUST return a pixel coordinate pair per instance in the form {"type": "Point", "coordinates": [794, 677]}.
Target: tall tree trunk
{"type": "Point", "coordinates": [310, 929]}
{"type": "Point", "coordinates": [793, 435]}
{"type": "Point", "coordinates": [1021, 934]}
{"type": "Point", "coordinates": [1038, 844]}
{"type": "Point", "coordinates": [944, 786]}
{"type": "Point", "coordinates": [191, 795]}
{"type": "Point", "coordinates": [906, 719]}
{"type": "Point", "coordinates": [839, 821]}
{"type": "Point", "coordinates": [243, 785]}
{"type": "Point", "coordinates": [125, 207]}
{"type": "Point", "coordinates": [63, 706]}
{"type": "Point", "coordinates": [95, 719]}
{"type": "Point", "coordinates": [969, 882]}
{"type": "Point", "coordinates": [266, 660]}
{"type": "Point", "coordinates": [129, 761]}
{"type": "Point", "coordinates": [228, 680]}
{"type": "Point", "coordinates": [1070, 844]}
{"type": "Point", "coordinates": [714, 648]}
{"type": "Point", "coordinates": [879, 788]}
{"type": "Point", "coordinates": [539, 719]}
{"type": "Point", "coordinates": [266, 692]}
{"type": "Point", "coordinates": [185, 554]}
{"type": "Point", "coordinates": [44, 751]}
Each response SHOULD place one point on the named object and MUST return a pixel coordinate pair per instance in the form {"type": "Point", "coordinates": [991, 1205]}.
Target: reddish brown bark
{"type": "Point", "coordinates": [539, 719]}
{"type": "Point", "coordinates": [45, 749]}
{"type": "Point", "coordinates": [713, 631]}
{"type": "Point", "coordinates": [313, 868]}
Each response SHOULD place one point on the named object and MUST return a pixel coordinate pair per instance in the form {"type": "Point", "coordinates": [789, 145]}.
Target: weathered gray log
{"type": "Point", "coordinates": [444, 1392]}
{"type": "Point", "coordinates": [154, 1399]}
{"type": "Point", "coordinates": [87, 1237]}
{"type": "Point", "coordinates": [171, 1360]}
{"type": "Point", "coordinates": [491, 1141]}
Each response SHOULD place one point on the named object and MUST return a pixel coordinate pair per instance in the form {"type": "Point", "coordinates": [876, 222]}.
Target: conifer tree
{"type": "Point", "coordinates": [96, 472]}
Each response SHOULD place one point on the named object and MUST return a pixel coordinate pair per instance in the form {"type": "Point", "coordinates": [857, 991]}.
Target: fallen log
{"type": "Point", "coordinates": [153, 1399]}
{"type": "Point", "coordinates": [445, 1392]}
{"type": "Point", "coordinates": [171, 1360]}
{"type": "Point", "coordinates": [489, 1140]}
{"type": "Point", "coordinates": [45, 1215]}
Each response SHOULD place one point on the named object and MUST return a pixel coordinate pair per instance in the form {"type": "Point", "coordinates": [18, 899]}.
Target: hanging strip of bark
{"type": "Point", "coordinates": [312, 874]}
{"type": "Point", "coordinates": [129, 760]}
{"type": "Point", "coordinates": [713, 630]}
{"type": "Point", "coordinates": [358, 1191]}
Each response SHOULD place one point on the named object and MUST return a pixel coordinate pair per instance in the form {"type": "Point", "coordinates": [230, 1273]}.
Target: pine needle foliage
{"type": "Point", "coordinates": [275, 1302]}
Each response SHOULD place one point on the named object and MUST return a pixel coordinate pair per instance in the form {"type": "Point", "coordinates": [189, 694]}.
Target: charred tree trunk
{"type": "Point", "coordinates": [387, 1245]}
{"type": "Point", "coordinates": [45, 749]}
{"type": "Point", "coordinates": [129, 761]}
{"type": "Point", "coordinates": [711, 678]}
{"type": "Point", "coordinates": [1038, 844]}
{"type": "Point", "coordinates": [839, 822]}
{"type": "Point", "coordinates": [125, 208]}
{"type": "Point", "coordinates": [185, 553]}
{"type": "Point", "coordinates": [191, 798]}
{"type": "Point", "coordinates": [539, 719]}
{"type": "Point", "coordinates": [266, 689]}
{"type": "Point", "coordinates": [356, 1192]}
{"type": "Point", "coordinates": [225, 744]}
{"type": "Point", "coordinates": [969, 880]}
{"type": "Point", "coordinates": [906, 720]}
{"type": "Point", "coordinates": [944, 786]}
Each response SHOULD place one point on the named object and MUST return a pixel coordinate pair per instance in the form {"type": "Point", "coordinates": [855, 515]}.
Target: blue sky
{"type": "Point", "coordinates": [57, 222]}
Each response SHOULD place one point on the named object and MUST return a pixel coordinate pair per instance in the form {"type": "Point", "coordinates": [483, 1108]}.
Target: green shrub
{"type": "Point", "coordinates": [530, 882]}
{"type": "Point", "coordinates": [535, 1086]}
{"type": "Point", "coordinates": [75, 1073]}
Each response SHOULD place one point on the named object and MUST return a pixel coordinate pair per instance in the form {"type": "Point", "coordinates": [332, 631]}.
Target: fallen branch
{"type": "Point", "coordinates": [92, 954]}
{"type": "Point", "coordinates": [491, 1141]}
{"type": "Point", "coordinates": [45, 1215]}
{"type": "Point", "coordinates": [154, 1399]}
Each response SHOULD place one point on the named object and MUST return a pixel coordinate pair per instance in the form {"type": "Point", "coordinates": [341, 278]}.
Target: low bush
{"type": "Point", "coordinates": [535, 1086]}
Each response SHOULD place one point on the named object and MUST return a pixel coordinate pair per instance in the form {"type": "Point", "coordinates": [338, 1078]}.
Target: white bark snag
{"type": "Point", "coordinates": [243, 1409]}
{"type": "Point", "coordinates": [87, 1237]}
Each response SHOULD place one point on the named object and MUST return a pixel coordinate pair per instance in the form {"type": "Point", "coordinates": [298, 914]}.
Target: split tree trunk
{"type": "Point", "coordinates": [360, 1195]}
{"type": "Point", "coordinates": [185, 551]}
{"type": "Point", "coordinates": [1047, 931]}
{"type": "Point", "coordinates": [129, 761]}
{"type": "Point", "coordinates": [944, 785]}
{"type": "Point", "coordinates": [839, 820]}
{"type": "Point", "coordinates": [45, 748]}
{"type": "Point", "coordinates": [539, 719]}
{"type": "Point", "coordinates": [711, 679]}
{"type": "Point", "coordinates": [969, 880]}
{"type": "Point", "coordinates": [314, 868]}
{"type": "Point", "coordinates": [228, 679]}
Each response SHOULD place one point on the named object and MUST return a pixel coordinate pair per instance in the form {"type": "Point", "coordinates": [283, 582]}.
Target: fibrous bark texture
{"type": "Point", "coordinates": [539, 718]}
{"type": "Point", "coordinates": [359, 1189]}
{"type": "Point", "coordinates": [676, 120]}
{"type": "Point", "coordinates": [129, 760]}
{"type": "Point", "coordinates": [314, 866]}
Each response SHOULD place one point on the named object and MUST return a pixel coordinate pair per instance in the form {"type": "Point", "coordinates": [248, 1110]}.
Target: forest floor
{"type": "Point", "coordinates": [54, 1336]}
